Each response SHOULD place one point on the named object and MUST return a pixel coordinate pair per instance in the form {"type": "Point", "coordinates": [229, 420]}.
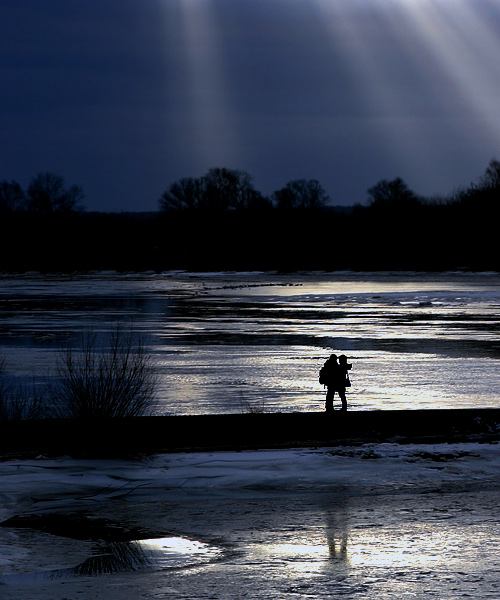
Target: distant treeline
{"type": "Point", "coordinates": [221, 222]}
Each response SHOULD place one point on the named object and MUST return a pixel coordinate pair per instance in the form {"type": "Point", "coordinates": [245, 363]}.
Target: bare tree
{"type": "Point", "coordinates": [485, 194]}
{"type": "Point", "coordinates": [391, 194]}
{"type": "Point", "coordinates": [12, 197]}
{"type": "Point", "coordinates": [301, 193]}
{"type": "Point", "coordinates": [228, 188]}
{"type": "Point", "coordinates": [491, 177]}
{"type": "Point", "coordinates": [220, 189]}
{"type": "Point", "coordinates": [47, 193]}
{"type": "Point", "coordinates": [185, 194]}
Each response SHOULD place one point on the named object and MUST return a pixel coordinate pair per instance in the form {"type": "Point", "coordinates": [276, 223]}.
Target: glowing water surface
{"type": "Point", "coordinates": [380, 521]}
{"type": "Point", "coordinates": [126, 557]}
{"type": "Point", "coordinates": [177, 552]}
{"type": "Point", "coordinates": [231, 342]}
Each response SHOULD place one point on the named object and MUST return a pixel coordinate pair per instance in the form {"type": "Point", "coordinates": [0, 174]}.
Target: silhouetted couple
{"type": "Point", "coordinates": [334, 374]}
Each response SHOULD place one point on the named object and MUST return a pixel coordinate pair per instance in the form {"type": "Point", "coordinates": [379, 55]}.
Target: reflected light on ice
{"type": "Point", "coordinates": [305, 559]}
{"type": "Point", "coordinates": [169, 550]}
{"type": "Point", "coordinates": [420, 547]}
{"type": "Point", "coordinates": [423, 547]}
{"type": "Point", "coordinates": [229, 343]}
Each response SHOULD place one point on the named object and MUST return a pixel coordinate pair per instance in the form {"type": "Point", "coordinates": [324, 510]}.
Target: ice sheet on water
{"type": "Point", "coordinates": [321, 522]}
{"type": "Point", "coordinates": [222, 342]}
{"type": "Point", "coordinates": [368, 295]}
{"type": "Point", "coordinates": [368, 469]}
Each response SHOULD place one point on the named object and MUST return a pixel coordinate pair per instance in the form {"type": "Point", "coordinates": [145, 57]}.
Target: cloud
{"type": "Point", "coordinates": [125, 96]}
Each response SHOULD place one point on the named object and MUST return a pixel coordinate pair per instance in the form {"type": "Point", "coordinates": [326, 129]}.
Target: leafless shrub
{"type": "Point", "coordinates": [96, 382]}
{"type": "Point", "coordinates": [18, 403]}
{"type": "Point", "coordinates": [252, 408]}
{"type": "Point", "coordinates": [22, 405]}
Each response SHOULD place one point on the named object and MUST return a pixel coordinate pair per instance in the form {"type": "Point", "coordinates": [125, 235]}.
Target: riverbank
{"type": "Point", "coordinates": [149, 435]}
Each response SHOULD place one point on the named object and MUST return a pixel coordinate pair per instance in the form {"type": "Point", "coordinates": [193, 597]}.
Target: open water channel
{"type": "Point", "coordinates": [374, 522]}
{"type": "Point", "coordinates": [231, 342]}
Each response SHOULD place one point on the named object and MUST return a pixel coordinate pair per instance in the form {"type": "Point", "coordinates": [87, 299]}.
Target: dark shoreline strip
{"type": "Point", "coordinates": [185, 433]}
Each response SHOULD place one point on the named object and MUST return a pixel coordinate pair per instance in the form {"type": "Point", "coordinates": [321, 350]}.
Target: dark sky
{"type": "Point", "coordinates": [124, 97]}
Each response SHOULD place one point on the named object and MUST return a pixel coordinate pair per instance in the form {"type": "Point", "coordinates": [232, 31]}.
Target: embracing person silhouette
{"type": "Point", "coordinates": [334, 375]}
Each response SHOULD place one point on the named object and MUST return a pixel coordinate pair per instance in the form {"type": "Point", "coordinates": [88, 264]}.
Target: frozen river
{"type": "Point", "coordinates": [377, 522]}
{"type": "Point", "coordinates": [374, 522]}
{"type": "Point", "coordinates": [232, 342]}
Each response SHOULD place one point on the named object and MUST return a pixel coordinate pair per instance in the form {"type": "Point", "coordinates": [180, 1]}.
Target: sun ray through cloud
{"type": "Point", "coordinates": [463, 44]}
{"type": "Point", "coordinates": [358, 34]}
{"type": "Point", "coordinates": [208, 87]}
{"type": "Point", "coordinates": [416, 64]}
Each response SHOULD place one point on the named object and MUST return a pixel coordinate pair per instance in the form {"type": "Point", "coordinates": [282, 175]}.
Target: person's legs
{"type": "Point", "coordinates": [343, 399]}
{"type": "Point", "coordinates": [329, 399]}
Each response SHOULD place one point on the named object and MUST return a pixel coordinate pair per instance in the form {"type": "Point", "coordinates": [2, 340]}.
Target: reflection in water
{"type": "Point", "coordinates": [314, 545]}
{"type": "Point", "coordinates": [380, 551]}
{"type": "Point", "coordinates": [155, 554]}
{"type": "Point", "coordinates": [126, 557]}
{"type": "Point", "coordinates": [337, 533]}
{"type": "Point", "coordinates": [177, 552]}
{"type": "Point", "coordinates": [310, 552]}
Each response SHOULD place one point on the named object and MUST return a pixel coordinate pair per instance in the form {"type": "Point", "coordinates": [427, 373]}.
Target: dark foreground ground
{"type": "Point", "coordinates": [144, 435]}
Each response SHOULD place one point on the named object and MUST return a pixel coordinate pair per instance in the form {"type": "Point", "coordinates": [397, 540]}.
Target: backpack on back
{"type": "Point", "coordinates": [324, 375]}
